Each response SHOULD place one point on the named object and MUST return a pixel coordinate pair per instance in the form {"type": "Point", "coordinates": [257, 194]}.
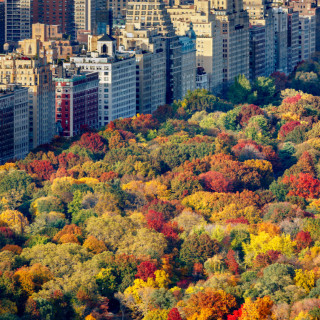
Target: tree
{"type": "Point", "coordinates": [94, 245]}
{"type": "Point", "coordinates": [256, 310]}
{"type": "Point", "coordinates": [93, 142]}
{"type": "Point", "coordinates": [231, 262]}
{"type": "Point", "coordinates": [216, 182]}
{"type": "Point", "coordinates": [303, 186]}
{"type": "Point", "coordinates": [15, 220]}
{"type": "Point", "coordinates": [146, 269]}
{"type": "Point", "coordinates": [198, 248]}
{"type": "Point", "coordinates": [174, 314]}
{"type": "Point", "coordinates": [209, 304]}
{"type": "Point", "coordinates": [32, 278]}
{"type": "Point", "coordinates": [240, 90]}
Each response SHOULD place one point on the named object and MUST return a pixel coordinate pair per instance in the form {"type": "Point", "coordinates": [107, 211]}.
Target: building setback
{"type": "Point", "coordinates": [76, 101]}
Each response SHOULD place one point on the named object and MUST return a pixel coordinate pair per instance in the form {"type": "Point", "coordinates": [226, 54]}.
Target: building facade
{"type": "Point", "coordinates": [117, 75]}
{"type": "Point", "coordinates": [153, 14]}
{"type": "Point", "coordinates": [208, 37]}
{"type": "Point", "coordinates": [188, 62]}
{"type": "Point", "coordinates": [257, 51]}
{"type": "Point", "coordinates": [35, 74]}
{"type": "Point", "coordinates": [76, 98]}
{"type": "Point", "coordinates": [148, 47]}
{"type": "Point", "coordinates": [14, 123]}
{"type": "Point", "coordinates": [18, 20]}
{"type": "Point", "coordinates": [58, 12]}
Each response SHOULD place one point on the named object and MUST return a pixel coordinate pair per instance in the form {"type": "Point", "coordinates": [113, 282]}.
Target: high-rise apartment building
{"type": "Point", "coordinates": [188, 62]}
{"type": "Point", "coordinates": [118, 8]}
{"type": "Point", "coordinates": [257, 51]}
{"type": "Point", "coordinates": [208, 37]}
{"type": "Point", "coordinates": [14, 122]}
{"type": "Point", "coordinates": [260, 15]}
{"type": "Point", "coordinates": [234, 30]}
{"type": "Point", "coordinates": [84, 15]}
{"type": "Point", "coordinates": [2, 24]}
{"type": "Point", "coordinates": [117, 74]}
{"type": "Point", "coordinates": [58, 12]}
{"type": "Point", "coordinates": [281, 39]}
{"type": "Point", "coordinates": [293, 38]}
{"type": "Point", "coordinates": [18, 20]}
{"type": "Point", "coordinates": [307, 36]}
{"type": "Point", "coordinates": [76, 100]}
{"type": "Point", "coordinates": [35, 74]}
{"type": "Point", "coordinates": [308, 8]}
{"type": "Point", "coordinates": [148, 47]}
{"type": "Point", "coordinates": [153, 14]}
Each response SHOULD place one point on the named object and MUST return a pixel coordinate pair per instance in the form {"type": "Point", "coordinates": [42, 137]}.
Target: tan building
{"type": "Point", "coordinates": [49, 42]}
{"type": "Point", "coordinates": [118, 8]}
{"type": "Point", "coordinates": [147, 45]}
{"type": "Point", "coordinates": [208, 38]}
{"type": "Point", "coordinates": [34, 73]}
{"type": "Point", "coordinates": [234, 30]}
{"type": "Point", "coordinates": [153, 14]}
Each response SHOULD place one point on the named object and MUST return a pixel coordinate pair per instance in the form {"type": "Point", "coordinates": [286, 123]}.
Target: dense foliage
{"type": "Point", "coordinates": [205, 210]}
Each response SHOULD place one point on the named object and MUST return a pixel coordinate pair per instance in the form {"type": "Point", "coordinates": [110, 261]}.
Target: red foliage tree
{"type": "Point", "coordinates": [303, 186]}
{"type": "Point", "coordinates": [248, 111]}
{"type": "Point", "coordinates": [231, 262]}
{"type": "Point", "coordinates": [163, 113]}
{"type": "Point", "coordinates": [263, 260]}
{"type": "Point", "coordinates": [303, 240]}
{"type": "Point", "coordinates": [146, 269]}
{"type": "Point", "coordinates": [144, 123]}
{"type": "Point", "coordinates": [280, 80]}
{"type": "Point", "coordinates": [92, 141]}
{"type": "Point", "coordinates": [235, 315]}
{"type": "Point", "coordinates": [107, 176]}
{"type": "Point", "coordinates": [174, 314]}
{"type": "Point", "coordinates": [41, 168]}
{"type": "Point", "coordinates": [292, 100]}
{"type": "Point", "coordinates": [287, 128]}
{"type": "Point", "coordinates": [216, 182]}
{"type": "Point", "coordinates": [240, 220]}
{"type": "Point", "coordinates": [156, 221]}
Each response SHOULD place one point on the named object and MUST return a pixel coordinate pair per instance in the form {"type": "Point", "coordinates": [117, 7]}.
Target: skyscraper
{"type": "Point", "coordinates": [35, 74]}
{"type": "Point", "coordinates": [18, 20]}
{"type": "Point", "coordinates": [59, 12]}
{"type": "Point", "coordinates": [234, 30]}
{"type": "Point", "coordinates": [153, 14]}
{"type": "Point", "coordinates": [208, 37]}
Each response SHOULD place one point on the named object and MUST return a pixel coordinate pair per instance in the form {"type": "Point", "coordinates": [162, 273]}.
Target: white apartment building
{"type": "Point", "coordinates": [307, 36]}
{"type": "Point", "coordinates": [117, 79]}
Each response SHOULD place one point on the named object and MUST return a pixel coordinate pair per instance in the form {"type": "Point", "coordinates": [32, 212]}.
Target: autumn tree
{"type": "Point", "coordinates": [209, 304]}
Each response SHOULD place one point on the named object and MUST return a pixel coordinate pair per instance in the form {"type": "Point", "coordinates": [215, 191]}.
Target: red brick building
{"type": "Point", "coordinates": [76, 101]}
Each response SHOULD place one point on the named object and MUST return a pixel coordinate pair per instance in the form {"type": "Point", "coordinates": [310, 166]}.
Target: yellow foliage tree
{"type": "Point", "coordinates": [264, 242]}
{"type": "Point", "coordinates": [304, 279]}
{"type": "Point", "coordinates": [256, 310]}
{"type": "Point", "coordinates": [15, 220]}
{"type": "Point", "coordinates": [90, 317]}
